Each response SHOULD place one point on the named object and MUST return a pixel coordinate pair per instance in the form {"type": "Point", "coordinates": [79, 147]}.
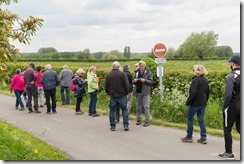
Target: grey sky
{"type": "Point", "coordinates": [104, 25]}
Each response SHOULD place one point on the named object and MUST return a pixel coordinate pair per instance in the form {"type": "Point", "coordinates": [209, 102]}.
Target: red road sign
{"type": "Point", "coordinates": [159, 50]}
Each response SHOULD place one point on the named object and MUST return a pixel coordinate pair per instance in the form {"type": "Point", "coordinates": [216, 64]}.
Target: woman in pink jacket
{"type": "Point", "coordinates": [18, 85]}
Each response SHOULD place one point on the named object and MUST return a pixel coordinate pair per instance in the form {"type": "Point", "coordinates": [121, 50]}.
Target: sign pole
{"type": "Point", "coordinates": [160, 82]}
{"type": "Point", "coordinates": [160, 51]}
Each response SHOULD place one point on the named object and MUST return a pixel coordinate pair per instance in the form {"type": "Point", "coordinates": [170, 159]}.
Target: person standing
{"type": "Point", "coordinates": [231, 107]}
{"type": "Point", "coordinates": [93, 88]}
{"type": "Point", "coordinates": [79, 90]}
{"type": "Point", "coordinates": [117, 87]}
{"type": "Point", "coordinates": [197, 102]}
{"type": "Point", "coordinates": [143, 79]}
{"type": "Point", "coordinates": [31, 88]}
{"type": "Point", "coordinates": [130, 94]}
{"type": "Point", "coordinates": [39, 85]}
{"type": "Point", "coordinates": [50, 82]}
{"type": "Point", "coordinates": [18, 85]}
{"type": "Point", "coordinates": [65, 78]}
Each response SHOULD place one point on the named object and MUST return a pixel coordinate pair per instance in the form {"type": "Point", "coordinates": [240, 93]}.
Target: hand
{"type": "Point", "coordinates": [135, 80]}
{"type": "Point", "coordinates": [142, 80]}
{"type": "Point", "coordinates": [32, 82]}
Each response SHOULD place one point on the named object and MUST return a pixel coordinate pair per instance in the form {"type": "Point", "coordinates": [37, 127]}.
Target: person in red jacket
{"type": "Point", "coordinates": [18, 85]}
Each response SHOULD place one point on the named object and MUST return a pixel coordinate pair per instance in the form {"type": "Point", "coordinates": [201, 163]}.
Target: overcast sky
{"type": "Point", "coordinates": [105, 25]}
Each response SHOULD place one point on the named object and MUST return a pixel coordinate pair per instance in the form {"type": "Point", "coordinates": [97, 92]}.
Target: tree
{"type": "Point", "coordinates": [46, 50]}
{"type": "Point", "coordinates": [13, 28]}
{"type": "Point", "coordinates": [171, 53]}
{"type": "Point", "coordinates": [200, 45]}
{"type": "Point", "coordinates": [224, 51]}
{"type": "Point", "coordinates": [127, 52]}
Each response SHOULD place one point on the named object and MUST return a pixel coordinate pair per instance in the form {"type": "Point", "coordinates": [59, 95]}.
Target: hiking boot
{"type": "Point", "coordinates": [227, 156]}
{"type": "Point", "coordinates": [187, 139]}
{"type": "Point", "coordinates": [16, 108]}
{"type": "Point", "coordinates": [90, 114]}
{"type": "Point", "coordinates": [146, 124]}
{"type": "Point", "coordinates": [79, 113]}
{"type": "Point", "coordinates": [22, 108]}
{"type": "Point", "coordinates": [37, 111]}
{"type": "Point", "coordinates": [95, 115]}
{"type": "Point", "coordinates": [48, 112]}
{"type": "Point", "coordinates": [30, 111]}
{"type": "Point", "coordinates": [202, 141]}
{"type": "Point", "coordinates": [41, 106]}
{"type": "Point", "coordinates": [54, 112]}
{"type": "Point", "coordinates": [138, 122]}
{"type": "Point", "coordinates": [126, 127]}
{"type": "Point", "coordinates": [112, 128]}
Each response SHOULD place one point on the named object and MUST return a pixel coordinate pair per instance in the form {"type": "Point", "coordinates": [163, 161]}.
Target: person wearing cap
{"type": "Point", "coordinates": [231, 107]}
{"type": "Point", "coordinates": [117, 87]}
{"type": "Point", "coordinates": [143, 79]}
{"type": "Point", "coordinates": [31, 88]}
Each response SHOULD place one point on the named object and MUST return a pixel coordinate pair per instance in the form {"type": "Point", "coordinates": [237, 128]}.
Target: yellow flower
{"type": "Point", "coordinates": [36, 151]}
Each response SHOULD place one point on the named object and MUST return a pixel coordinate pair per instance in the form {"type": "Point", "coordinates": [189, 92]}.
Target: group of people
{"type": "Point", "coordinates": [120, 84]}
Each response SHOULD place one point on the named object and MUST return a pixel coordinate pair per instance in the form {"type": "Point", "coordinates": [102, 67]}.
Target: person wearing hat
{"type": "Point", "coordinates": [231, 107]}
{"type": "Point", "coordinates": [117, 87]}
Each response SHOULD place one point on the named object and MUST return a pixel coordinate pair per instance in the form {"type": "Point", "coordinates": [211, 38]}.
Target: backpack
{"type": "Point", "coordinates": [237, 85]}
{"type": "Point", "coordinates": [21, 81]}
{"type": "Point", "coordinates": [72, 84]}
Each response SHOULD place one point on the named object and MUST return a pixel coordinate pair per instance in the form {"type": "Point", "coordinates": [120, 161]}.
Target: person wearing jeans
{"type": "Point", "coordinates": [18, 89]}
{"type": "Point", "coordinates": [93, 81]}
{"type": "Point", "coordinates": [117, 87]}
{"type": "Point", "coordinates": [197, 102]}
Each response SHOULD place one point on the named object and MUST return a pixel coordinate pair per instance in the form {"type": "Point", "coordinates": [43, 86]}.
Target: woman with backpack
{"type": "Point", "coordinates": [18, 85]}
{"type": "Point", "coordinates": [79, 90]}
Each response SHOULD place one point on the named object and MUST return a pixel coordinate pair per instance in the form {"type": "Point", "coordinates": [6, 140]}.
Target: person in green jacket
{"type": "Point", "coordinates": [93, 88]}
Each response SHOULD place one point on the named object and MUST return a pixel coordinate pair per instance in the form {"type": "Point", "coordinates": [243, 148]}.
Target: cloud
{"type": "Point", "coordinates": [72, 25]}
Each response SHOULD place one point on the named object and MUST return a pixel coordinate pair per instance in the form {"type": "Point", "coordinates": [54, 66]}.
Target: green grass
{"type": "Point", "coordinates": [19, 145]}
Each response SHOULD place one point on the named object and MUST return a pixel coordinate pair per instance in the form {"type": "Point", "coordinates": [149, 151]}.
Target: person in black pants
{"type": "Point", "coordinates": [231, 107]}
{"type": "Point", "coordinates": [50, 81]}
{"type": "Point", "coordinates": [79, 90]}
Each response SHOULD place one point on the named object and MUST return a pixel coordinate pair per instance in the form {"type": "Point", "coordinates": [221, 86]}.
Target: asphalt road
{"type": "Point", "coordinates": [89, 138]}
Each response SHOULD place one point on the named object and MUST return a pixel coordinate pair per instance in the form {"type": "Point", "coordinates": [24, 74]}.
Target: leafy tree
{"type": "Point", "coordinates": [114, 54]}
{"type": "Point", "coordinates": [46, 50]}
{"type": "Point", "coordinates": [200, 45]}
{"type": "Point", "coordinates": [224, 51]}
{"type": "Point", "coordinates": [12, 27]}
{"type": "Point", "coordinates": [55, 55]}
{"type": "Point", "coordinates": [150, 54]}
{"type": "Point", "coordinates": [127, 53]}
{"type": "Point", "coordinates": [171, 53]}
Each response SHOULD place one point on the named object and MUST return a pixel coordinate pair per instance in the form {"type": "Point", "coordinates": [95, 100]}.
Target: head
{"type": "Point", "coordinates": [48, 66]}
{"type": "Point", "coordinates": [142, 65]}
{"type": "Point", "coordinates": [126, 67]}
{"type": "Point", "coordinates": [234, 62]}
{"type": "Point", "coordinates": [199, 70]}
{"type": "Point", "coordinates": [38, 68]}
{"type": "Point", "coordinates": [18, 71]}
{"type": "Point", "coordinates": [32, 65]}
{"type": "Point", "coordinates": [80, 72]}
{"type": "Point", "coordinates": [92, 69]}
{"type": "Point", "coordinates": [136, 66]}
{"type": "Point", "coordinates": [65, 66]}
{"type": "Point", "coordinates": [115, 65]}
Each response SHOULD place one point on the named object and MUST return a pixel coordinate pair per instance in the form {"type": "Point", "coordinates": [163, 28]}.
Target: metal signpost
{"type": "Point", "coordinates": [160, 51]}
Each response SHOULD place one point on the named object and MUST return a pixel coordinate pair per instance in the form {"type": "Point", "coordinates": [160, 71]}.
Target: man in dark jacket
{"type": "Point", "coordinates": [231, 107]}
{"type": "Point", "coordinates": [117, 86]}
{"type": "Point", "coordinates": [50, 81]}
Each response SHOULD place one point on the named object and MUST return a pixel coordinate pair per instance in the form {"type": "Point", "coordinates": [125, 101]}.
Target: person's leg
{"type": "Point", "coordinates": [41, 95]}
{"type": "Point", "coordinates": [78, 102]}
{"type": "Point", "coordinates": [112, 107]}
{"type": "Point", "coordinates": [67, 90]}
{"type": "Point", "coordinates": [53, 97]}
{"type": "Point", "coordinates": [238, 121]}
{"type": "Point", "coordinates": [229, 118]}
{"type": "Point", "coordinates": [200, 118]}
{"type": "Point", "coordinates": [129, 101]}
{"type": "Point", "coordinates": [146, 105]}
{"type": "Point", "coordinates": [90, 105]}
{"type": "Point", "coordinates": [62, 94]}
{"type": "Point", "coordinates": [138, 106]}
{"type": "Point", "coordinates": [29, 99]}
{"type": "Point", "coordinates": [48, 95]}
{"type": "Point", "coordinates": [117, 113]}
{"type": "Point", "coordinates": [190, 114]}
{"type": "Point", "coordinates": [35, 96]}
{"type": "Point", "coordinates": [123, 104]}
{"type": "Point", "coordinates": [17, 95]}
